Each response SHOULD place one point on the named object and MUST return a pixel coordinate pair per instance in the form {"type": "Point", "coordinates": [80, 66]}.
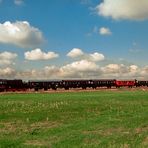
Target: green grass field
{"type": "Point", "coordinates": [105, 119]}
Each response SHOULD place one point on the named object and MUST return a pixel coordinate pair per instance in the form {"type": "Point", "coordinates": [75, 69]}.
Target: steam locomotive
{"type": "Point", "coordinates": [20, 85]}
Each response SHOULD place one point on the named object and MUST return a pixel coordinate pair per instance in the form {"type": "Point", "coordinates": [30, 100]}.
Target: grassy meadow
{"type": "Point", "coordinates": [105, 119]}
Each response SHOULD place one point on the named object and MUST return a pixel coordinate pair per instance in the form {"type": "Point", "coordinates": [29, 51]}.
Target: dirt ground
{"type": "Point", "coordinates": [79, 90]}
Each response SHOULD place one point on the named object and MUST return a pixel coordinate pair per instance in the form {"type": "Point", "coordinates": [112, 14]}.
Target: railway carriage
{"type": "Point", "coordinates": [67, 84]}
{"type": "Point", "coordinates": [12, 85]}
{"type": "Point", "coordinates": [123, 83]}
{"type": "Point", "coordinates": [15, 85]}
{"type": "Point", "coordinates": [36, 85]}
{"type": "Point", "coordinates": [141, 83]}
{"type": "Point", "coordinates": [3, 84]}
{"type": "Point", "coordinates": [103, 83]}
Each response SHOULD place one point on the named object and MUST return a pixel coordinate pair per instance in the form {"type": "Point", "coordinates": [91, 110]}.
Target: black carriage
{"type": "Point", "coordinates": [37, 85]}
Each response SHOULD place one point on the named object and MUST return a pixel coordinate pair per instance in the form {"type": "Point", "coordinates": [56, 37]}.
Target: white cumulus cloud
{"type": "Point", "coordinates": [124, 9]}
{"type": "Point", "coordinates": [96, 56]}
{"type": "Point", "coordinates": [7, 58]}
{"type": "Point", "coordinates": [105, 31]}
{"type": "Point", "coordinates": [20, 33]}
{"type": "Point", "coordinates": [78, 69]}
{"type": "Point", "coordinates": [121, 71]}
{"type": "Point", "coordinates": [78, 53]}
{"type": "Point", "coordinates": [75, 52]}
{"type": "Point", "coordinates": [112, 68]}
{"type": "Point", "coordinates": [38, 54]}
{"type": "Point", "coordinates": [82, 65]}
{"type": "Point", "coordinates": [7, 72]}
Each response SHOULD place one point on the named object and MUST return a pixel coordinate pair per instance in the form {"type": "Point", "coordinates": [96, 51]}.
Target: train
{"type": "Point", "coordinates": [7, 85]}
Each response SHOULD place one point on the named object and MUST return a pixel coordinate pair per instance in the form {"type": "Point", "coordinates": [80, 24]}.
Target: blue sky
{"type": "Point", "coordinates": [108, 35]}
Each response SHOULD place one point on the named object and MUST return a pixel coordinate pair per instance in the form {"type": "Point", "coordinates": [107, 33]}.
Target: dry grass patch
{"type": "Point", "coordinates": [23, 127]}
{"type": "Point", "coordinates": [38, 143]}
{"type": "Point", "coordinates": [140, 130]}
{"type": "Point", "coordinates": [45, 125]}
{"type": "Point", "coordinates": [145, 141]}
{"type": "Point", "coordinates": [106, 132]}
